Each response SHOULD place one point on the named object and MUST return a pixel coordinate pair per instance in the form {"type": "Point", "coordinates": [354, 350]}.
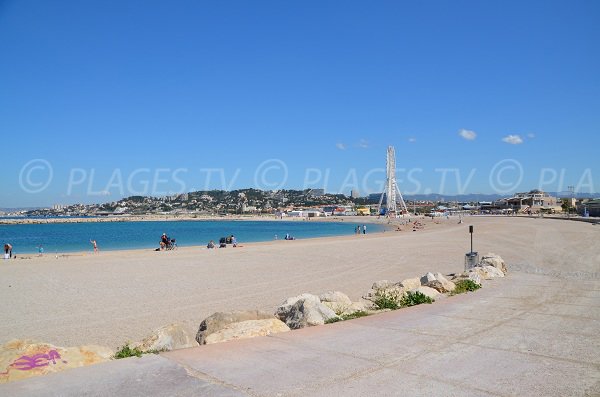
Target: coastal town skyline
{"type": "Point", "coordinates": [105, 100]}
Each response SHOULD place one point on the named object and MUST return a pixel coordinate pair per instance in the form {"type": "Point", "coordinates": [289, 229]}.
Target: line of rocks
{"type": "Point", "coordinates": [305, 310]}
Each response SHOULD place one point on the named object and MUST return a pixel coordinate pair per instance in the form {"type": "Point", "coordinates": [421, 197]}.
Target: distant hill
{"type": "Point", "coordinates": [486, 197]}
{"type": "Point", "coordinates": [19, 209]}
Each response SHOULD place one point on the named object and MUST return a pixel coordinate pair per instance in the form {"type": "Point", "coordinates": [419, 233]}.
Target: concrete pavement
{"type": "Point", "coordinates": [530, 334]}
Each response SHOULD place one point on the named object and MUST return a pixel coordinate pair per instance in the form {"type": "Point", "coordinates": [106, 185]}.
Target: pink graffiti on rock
{"type": "Point", "coordinates": [27, 363]}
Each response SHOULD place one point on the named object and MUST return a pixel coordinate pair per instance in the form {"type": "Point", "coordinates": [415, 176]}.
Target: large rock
{"type": "Point", "coordinates": [381, 284]}
{"type": "Point", "coordinates": [305, 311]}
{"type": "Point", "coordinates": [360, 306]}
{"type": "Point", "coordinates": [247, 329]}
{"type": "Point", "coordinates": [427, 278]}
{"type": "Point", "coordinates": [335, 297]}
{"type": "Point", "coordinates": [170, 337]}
{"type": "Point", "coordinates": [286, 306]}
{"type": "Point", "coordinates": [220, 320]}
{"type": "Point", "coordinates": [21, 359]}
{"type": "Point", "coordinates": [427, 291]}
{"type": "Point", "coordinates": [487, 272]}
{"type": "Point", "coordinates": [472, 275]}
{"type": "Point", "coordinates": [336, 301]}
{"type": "Point", "coordinates": [493, 260]}
{"type": "Point", "coordinates": [448, 286]}
{"type": "Point", "coordinates": [410, 283]}
{"type": "Point", "coordinates": [493, 272]}
{"type": "Point", "coordinates": [438, 282]}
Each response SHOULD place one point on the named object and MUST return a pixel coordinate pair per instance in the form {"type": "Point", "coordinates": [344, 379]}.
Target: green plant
{"type": "Point", "coordinates": [356, 314]}
{"type": "Point", "coordinates": [387, 299]}
{"type": "Point", "coordinates": [127, 351]}
{"type": "Point", "coordinates": [344, 317]}
{"type": "Point", "coordinates": [414, 298]}
{"type": "Point", "coordinates": [463, 286]}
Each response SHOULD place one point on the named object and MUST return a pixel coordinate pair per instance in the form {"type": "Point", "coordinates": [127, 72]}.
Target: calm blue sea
{"type": "Point", "coordinates": [73, 237]}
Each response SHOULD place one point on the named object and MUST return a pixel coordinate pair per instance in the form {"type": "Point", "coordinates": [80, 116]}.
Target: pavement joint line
{"type": "Point", "coordinates": [567, 316]}
{"type": "Point", "coordinates": [451, 382]}
{"type": "Point", "coordinates": [563, 359]}
{"type": "Point", "coordinates": [521, 312]}
{"type": "Point", "coordinates": [309, 347]}
{"type": "Point", "coordinates": [546, 330]}
{"type": "Point", "coordinates": [571, 304]}
{"type": "Point", "coordinates": [560, 315]}
{"type": "Point", "coordinates": [194, 373]}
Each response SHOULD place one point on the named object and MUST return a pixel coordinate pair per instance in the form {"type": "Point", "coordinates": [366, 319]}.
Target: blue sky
{"type": "Point", "coordinates": [125, 97]}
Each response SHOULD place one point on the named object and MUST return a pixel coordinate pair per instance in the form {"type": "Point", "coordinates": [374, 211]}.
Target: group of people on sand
{"type": "Point", "coordinates": [223, 241]}
{"type": "Point", "coordinates": [359, 229]}
{"type": "Point", "coordinates": [286, 237]}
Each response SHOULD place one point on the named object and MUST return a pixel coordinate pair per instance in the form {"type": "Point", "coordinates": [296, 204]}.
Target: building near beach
{"type": "Point", "coordinates": [534, 201]}
{"type": "Point", "coordinates": [591, 207]}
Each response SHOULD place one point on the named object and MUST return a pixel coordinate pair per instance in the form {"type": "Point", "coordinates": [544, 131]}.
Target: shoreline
{"type": "Point", "coordinates": [198, 248]}
{"type": "Point", "coordinates": [173, 218]}
{"type": "Point", "coordinates": [383, 224]}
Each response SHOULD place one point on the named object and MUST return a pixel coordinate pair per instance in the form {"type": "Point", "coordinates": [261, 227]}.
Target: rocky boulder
{"type": "Point", "coordinates": [247, 329]}
{"type": "Point", "coordinates": [335, 297]}
{"type": "Point", "coordinates": [493, 260]}
{"type": "Point", "coordinates": [430, 292]}
{"type": "Point", "coordinates": [472, 274]}
{"type": "Point", "coordinates": [220, 320]}
{"type": "Point", "coordinates": [427, 278]}
{"type": "Point", "coordinates": [381, 284]}
{"type": "Point", "coordinates": [170, 337]}
{"type": "Point", "coordinates": [410, 283]}
{"type": "Point", "coordinates": [21, 359]}
{"type": "Point", "coordinates": [336, 301]}
{"type": "Point", "coordinates": [438, 282]}
{"type": "Point", "coordinates": [493, 272]}
{"type": "Point", "coordinates": [304, 310]}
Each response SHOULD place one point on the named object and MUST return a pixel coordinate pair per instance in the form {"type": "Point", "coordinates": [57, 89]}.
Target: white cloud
{"type": "Point", "coordinates": [467, 134]}
{"type": "Point", "coordinates": [363, 144]}
{"type": "Point", "coordinates": [513, 139]}
{"type": "Point", "coordinates": [530, 136]}
{"type": "Point", "coordinates": [340, 146]}
{"type": "Point", "coordinates": [412, 139]}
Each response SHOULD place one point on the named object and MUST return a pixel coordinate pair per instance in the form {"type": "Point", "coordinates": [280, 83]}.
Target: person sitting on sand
{"type": "Point", "coordinates": [211, 244]}
{"type": "Point", "coordinates": [164, 239]}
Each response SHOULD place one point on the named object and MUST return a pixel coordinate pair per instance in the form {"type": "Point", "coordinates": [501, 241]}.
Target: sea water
{"type": "Point", "coordinates": [75, 237]}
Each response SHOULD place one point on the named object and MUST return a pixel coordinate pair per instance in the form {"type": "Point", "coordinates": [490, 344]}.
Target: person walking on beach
{"type": "Point", "coordinates": [364, 229]}
{"type": "Point", "coordinates": [95, 245]}
{"type": "Point", "coordinates": [7, 251]}
{"type": "Point", "coordinates": [40, 250]}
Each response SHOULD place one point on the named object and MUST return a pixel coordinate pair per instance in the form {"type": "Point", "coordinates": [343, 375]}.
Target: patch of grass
{"type": "Point", "coordinates": [127, 351]}
{"type": "Point", "coordinates": [415, 298]}
{"type": "Point", "coordinates": [463, 286]}
{"type": "Point", "coordinates": [356, 314]}
{"type": "Point", "coordinates": [344, 317]}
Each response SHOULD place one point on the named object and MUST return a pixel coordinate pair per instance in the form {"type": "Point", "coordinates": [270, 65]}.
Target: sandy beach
{"type": "Point", "coordinates": [121, 296]}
